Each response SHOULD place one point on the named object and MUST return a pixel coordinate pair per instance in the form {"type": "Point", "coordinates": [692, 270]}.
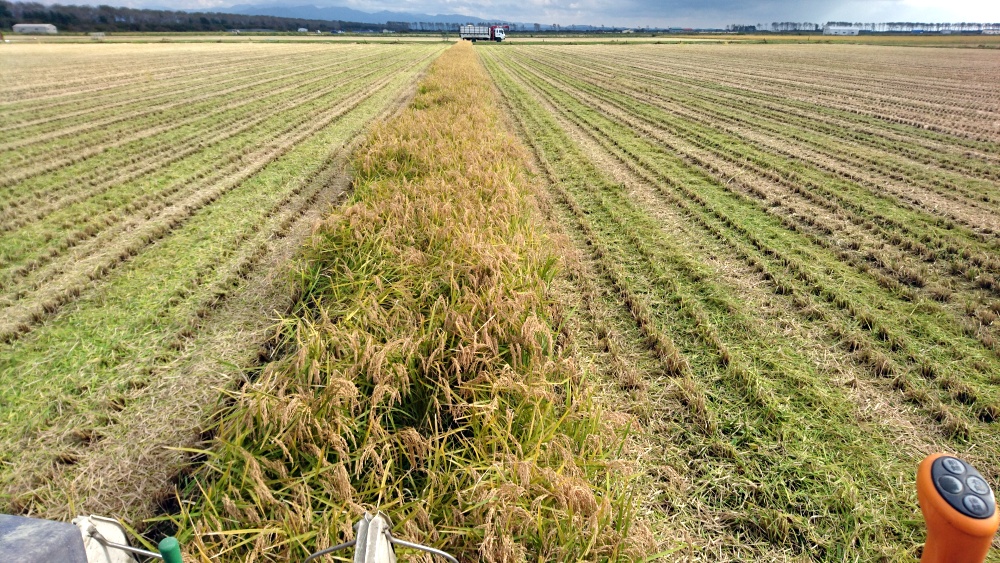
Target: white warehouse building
{"type": "Point", "coordinates": [35, 28]}
{"type": "Point", "coordinates": [840, 30]}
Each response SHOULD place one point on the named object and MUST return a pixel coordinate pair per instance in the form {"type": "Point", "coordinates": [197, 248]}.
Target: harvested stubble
{"type": "Point", "coordinates": [421, 372]}
{"type": "Point", "coordinates": [811, 388]}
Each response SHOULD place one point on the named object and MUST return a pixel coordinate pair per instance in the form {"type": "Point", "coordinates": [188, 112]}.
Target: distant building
{"type": "Point", "coordinates": [43, 28]}
{"type": "Point", "coordinates": [303, 30]}
{"type": "Point", "coordinates": [839, 30]}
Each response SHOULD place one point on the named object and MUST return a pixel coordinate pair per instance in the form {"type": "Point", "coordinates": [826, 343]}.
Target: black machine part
{"type": "Point", "coordinates": [30, 540]}
{"type": "Point", "coordinates": [963, 487]}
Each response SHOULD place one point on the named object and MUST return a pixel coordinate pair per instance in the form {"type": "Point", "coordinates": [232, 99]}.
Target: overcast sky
{"type": "Point", "coordinates": [634, 13]}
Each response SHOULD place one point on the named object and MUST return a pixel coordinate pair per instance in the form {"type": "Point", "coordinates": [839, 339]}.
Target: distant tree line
{"type": "Point", "coordinates": [883, 27]}
{"type": "Point", "coordinates": [109, 19]}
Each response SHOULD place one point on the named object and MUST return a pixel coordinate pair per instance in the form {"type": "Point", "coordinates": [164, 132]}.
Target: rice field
{"type": "Point", "coordinates": [150, 198]}
{"type": "Point", "coordinates": [688, 302]}
{"type": "Point", "coordinates": [787, 262]}
{"type": "Point", "coordinates": [422, 371]}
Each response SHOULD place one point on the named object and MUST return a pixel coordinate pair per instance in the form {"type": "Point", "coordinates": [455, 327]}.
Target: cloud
{"type": "Point", "coordinates": [633, 13]}
{"type": "Point", "coordinates": [711, 13]}
{"type": "Point", "coordinates": [702, 13]}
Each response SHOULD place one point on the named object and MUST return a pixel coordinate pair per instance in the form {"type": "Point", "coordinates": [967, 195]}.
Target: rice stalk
{"type": "Point", "coordinates": [420, 372]}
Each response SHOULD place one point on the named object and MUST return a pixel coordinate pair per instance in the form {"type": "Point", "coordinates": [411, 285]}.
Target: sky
{"type": "Point", "coordinates": [638, 13]}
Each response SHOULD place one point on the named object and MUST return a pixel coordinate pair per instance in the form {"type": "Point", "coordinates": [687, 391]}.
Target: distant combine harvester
{"type": "Point", "coordinates": [35, 28]}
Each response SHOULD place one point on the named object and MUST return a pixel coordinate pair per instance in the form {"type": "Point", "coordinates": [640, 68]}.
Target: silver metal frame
{"type": "Point", "coordinates": [126, 548]}
{"type": "Point", "coordinates": [375, 542]}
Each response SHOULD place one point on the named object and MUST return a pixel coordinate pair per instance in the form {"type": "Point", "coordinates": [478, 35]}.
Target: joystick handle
{"type": "Point", "coordinates": [959, 508]}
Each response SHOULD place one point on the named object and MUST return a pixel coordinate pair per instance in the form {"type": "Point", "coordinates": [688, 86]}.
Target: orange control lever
{"type": "Point", "coordinates": [959, 508]}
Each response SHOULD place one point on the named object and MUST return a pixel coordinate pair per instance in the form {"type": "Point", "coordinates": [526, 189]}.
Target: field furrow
{"type": "Point", "coordinates": [190, 134]}
{"type": "Point", "coordinates": [24, 163]}
{"type": "Point", "coordinates": [738, 165]}
{"type": "Point", "coordinates": [771, 123]}
{"type": "Point", "coordinates": [40, 121]}
{"type": "Point", "coordinates": [147, 218]}
{"type": "Point", "coordinates": [855, 94]}
{"type": "Point", "coordinates": [178, 269]}
{"type": "Point", "coordinates": [230, 117]}
{"type": "Point", "coordinates": [35, 81]}
{"type": "Point", "coordinates": [783, 290]}
{"type": "Point", "coordinates": [907, 240]}
{"type": "Point", "coordinates": [176, 103]}
{"type": "Point", "coordinates": [703, 79]}
{"type": "Point", "coordinates": [803, 253]}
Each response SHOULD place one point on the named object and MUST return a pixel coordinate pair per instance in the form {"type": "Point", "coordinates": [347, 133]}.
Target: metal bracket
{"type": "Point", "coordinates": [374, 542]}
